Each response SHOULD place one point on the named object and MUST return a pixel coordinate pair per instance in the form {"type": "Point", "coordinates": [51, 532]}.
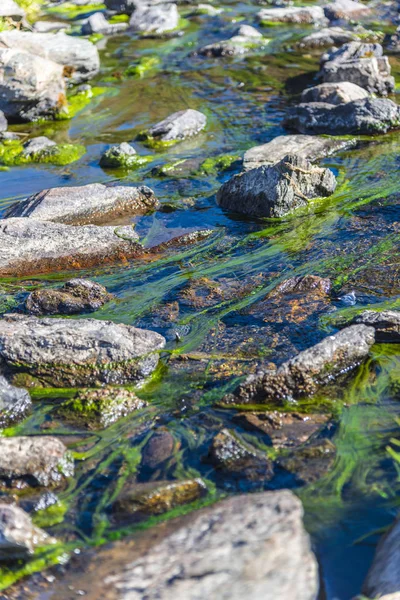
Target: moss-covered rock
{"type": "Point", "coordinates": [123, 156]}
{"type": "Point", "coordinates": [12, 154]}
{"type": "Point", "coordinates": [142, 66]}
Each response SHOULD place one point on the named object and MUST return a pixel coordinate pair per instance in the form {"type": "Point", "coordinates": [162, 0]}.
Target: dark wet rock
{"type": "Point", "coordinates": [23, 251]}
{"type": "Point", "coordinates": [329, 36]}
{"type": "Point", "coordinates": [384, 576]}
{"type": "Point", "coordinates": [157, 450]}
{"type": "Point", "coordinates": [74, 297]}
{"type": "Point", "coordinates": [359, 63]}
{"type": "Point", "coordinates": [310, 462]}
{"type": "Point", "coordinates": [18, 535]}
{"type": "Point", "coordinates": [178, 126]}
{"type": "Point", "coordinates": [386, 324]}
{"type": "Point", "coordinates": [346, 9]}
{"type": "Point", "coordinates": [122, 6]}
{"type": "Point", "coordinates": [392, 42]}
{"type": "Point", "coordinates": [334, 93]}
{"type": "Point", "coordinates": [244, 39]}
{"type": "Point", "coordinates": [31, 87]}
{"type": "Point", "coordinates": [276, 190]}
{"type": "Point", "coordinates": [367, 116]}
{"type": "Point", "coordinates": [155, 498]}
{"type": "Point", "coordinates": [15, 403]}
{"type": "Point", "coordinates": [79, 57]}
{"type": "Point", "coordinates": [123, 155]}
{"type": "Point", "coordinates": [80, 352]}
{"type": "Point", "coordinates": [10, 9]}
{"type": "Point", "coordinates": [37, 145]}
{"type": "Point", "coordinates": [97, 23]}
{"type": "Point", "coordinates": [292, 14]}
{"type": "Point", "coordinates": [100, 408]}
{"type": "Point", "coordinates": [310, 147]}
{"type": "Point", "coordinates": [309, 370]}
{"type": "Point", "coordinates": [34, 461]}
{"type": "Point", "coordinates": [252, 546]}
{"type": "Point", "coordinates": [232, 457]}
{"type": "Point", "coordinates": [303, 284]}
{"type": "Point", "coordinates": [157, 18]}
{"type": "Point", "coordinates": [93, 203]}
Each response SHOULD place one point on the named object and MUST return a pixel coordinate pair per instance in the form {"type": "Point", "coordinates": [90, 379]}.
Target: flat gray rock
{"type": "Point", "coordinates": [10, 9]}
{"type": "Point", "coordinates": [97, 23]}
{"type": "Point", "coordinates": [310, 369]}
{"type": "Point", "coordinates": [346, 9]}
{"type": "Point", "coordinates": [93, 203]}
{"type": "Point", "coordinates": [384, 575]}
{"type": "Point", "coordinates": [386, 324]}
{"type": "Point", "coordinates": [18, 535]}
{"type": "Point", "coordinates": [30, 246]}
{"type": "Point", "coordinates": [276, 190]}
{"type": "Point", "coordinates": [292, 14]}
{"type": "Point", "coordinates": [178, 126]}
{"type": "Point", "coordinates": [79, 352]}
{"type": "Point", "coordinates": [36, 461]}
{"type": "Point", "coordinates": [329, 36]}
{"type": "Point", "coordinates": [366, 116]}
{"type": "Point", "coordinates": [334, 93]}
{"type": "Point", "coordinates": [15, 403]}
{"type": "Point", "coordinates": [310, 147]}
{"type": "Point", "coordinates": [251, 547]}
{"type": "Point", "coordinates": [155, 19]}
{"type": "Point", "coordinates": [78, 55]}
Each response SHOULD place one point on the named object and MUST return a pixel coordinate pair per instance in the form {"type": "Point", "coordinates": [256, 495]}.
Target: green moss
{"type": "Point", "coordinates": [154, 143]}
{"type": "Point", "coordinates": [215, 164]}
{"type": "Point", "coordinates": [31, 7]}
{"type": "Point", "coordinates": [95, 37]}
{"type": "Point", "coordinates": [113, 160]}
{"type": "Point", "coordinates": [11, 154]}
{"type": "Point", "coordinates": [119, 19]}
{"type": "Point", "coordinates": [78, 101]}
{"type": "Point", "coordinates": [53, 515]}
{"type": "Point", "coordinates": [142, 66]}
{"type": "Point", "coordinates": [71, 10]}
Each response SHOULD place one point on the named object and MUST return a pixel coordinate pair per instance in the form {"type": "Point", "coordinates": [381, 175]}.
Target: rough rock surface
{"type": "Point", "coordinates": [36, 461]}
{"type": "Point", "coordinates": [79, 57]}
{"type": "Point", "coordinates": [74, 297]}
{"type": "Point", "coordinates": [249, 547]}
{"type": "Point", "coordinates": [334, 93]}
{"type": "Point", "coordinates": [123, 155]}
{"type": "Point", "coordinates": [367, 116]}
{"type": "Point", "coordinates": [97, 23]}
{"type": "Point", "coordinates": [178, 126]}
{"type": "Point", "coordinates": [9, 8]}
{"type": "Point", "coordinates": [79, 352]}
{"type": "Point", "coordinates": [30, 86]}
{"type": "Point", "coordinates": [346, 9]}
{"type": "Point", "coordinates": [310, 147]}
{"type": "Point", "coordinates": [37, 144]}
{"type": "Point", "coordinates": [23, 252]}
{"type": "Point", "coordinates": [292, 14]}
{"type": "Point", "coordinates": [14, 403]}
{"type": "Point", "coordinates": [384, 575]}
{"type": "Point", "coordinates": [155, 19]}
{"type": "Point", "coordinates": [310, 369]}
{"type": "Point", "coordinates": [18, 535]}
{"type": "Point", "coordinates": [386, 324]}
{"type": "Point", "coordinates": [276, 190]}
{"type": "Point", "coordinates": [93, 203]}
{"type": "Point", "coordinates": [329, 36]}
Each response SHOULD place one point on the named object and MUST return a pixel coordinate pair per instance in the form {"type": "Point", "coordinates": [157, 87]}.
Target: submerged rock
{"type": "Point", "coordinates": [276, 190]}
{"type": "Point", "coordinates": [386, 324]}
{"type": "Point", "coordinates": [244, 39]}
{"type": "Point", "coordinates": [34, 461]}
{"type": "Point", "coordinates": [18, 535]}
{"type": "Point", "coordinates": [346, 9]}
{"type": "Point", "coordinates": [31, 87]}
{"type": "Point", "coordinates": [306, 372]}
{"type": "Point", "coordinates": [79, 57]}
{"type": "Point", "coordinates": [329, 36]}
{"type": "Point", "coordinates": [15, 403]}
{"type": "Point", "coordinates": [334, 93]}
{"type": "Point", "coordinates": [308, 463]}
{"type": "Point", "coordinates": [157, 450]}
{"type": "Point", "coordinates": [97, 23]}
{"type": "Point", "coordinates": [157, 18]}
{"type": "Point", "coordinates": [93, 203]}
{"type": "Point", "coordinates": [81, 352]}
{"type": "Point", "coordinates": [384, 576]}
{"type": "Point", "coordinates": [292, 14]}
{"type": "Point", "coordinates": [310, 147]}
{"type": "Point", "coordinates": [175, 128]}
{"type": "Point", "coordinates": [365, 116]}
{"type": "Point", "coordinates": [74, 297]}
{"type": "Point", "coordinates": [252, 546]}
{"type": "Point", "coordinates": [30, 246]}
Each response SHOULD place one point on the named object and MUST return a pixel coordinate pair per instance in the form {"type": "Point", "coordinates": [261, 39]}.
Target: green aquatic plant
{"type": "Point", "coordinates": [12, 154]}
{"type": "Point", "coordinates": [142, 66]}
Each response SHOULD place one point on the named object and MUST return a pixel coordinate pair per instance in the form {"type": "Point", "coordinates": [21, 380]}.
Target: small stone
{"type": "Point", "coordinates": [15, 403]}
{"type": "Point", "coordinates": [329, 36]}
{"type": "Point", "coordinates": [346, 9]}
{"type": "Point", "coordinates": [292, 14]}
{"type": "Point", "coordinates": [155, 19]}
{"type": "Point", "coordinates": [157, 450]}
{"type": "Point", "coordinates": [74, 297]}
{"type": "Point", "coordinates": [123, 155]}
{"type": "Point", "coordinates": [18, 536]}
{"type": "Point", "coordinates": [177, 127]}
{"type": "Point", "coordinates": [37, 145]}
{"type": "Point", "coordinates": [334, 93]}
{"type": "Point", "coordinates": [97, 23]}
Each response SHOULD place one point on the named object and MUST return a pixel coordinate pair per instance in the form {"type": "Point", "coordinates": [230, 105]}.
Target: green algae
{"type": "Point", "coordinates": [78, 101]}
{"type": "Point", "coordinates": [215, 164]}
{"type": "Point", "coordinates": [119, 19]}
{"type": "Point", "coordinates": [70, 10]}
{"type": "Point", "coordinates": [12, 154]}
{"type": "Point", "coordinates": [50, 516]}
{"type": "Point", "coordinates": [142, 66]}
{"type": "Point", "coordinates": [155, 144]}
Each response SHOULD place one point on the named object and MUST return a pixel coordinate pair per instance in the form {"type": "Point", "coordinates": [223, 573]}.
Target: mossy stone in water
{"type": "Point", "coordinates": [142, 66]}
{"type": "Point", "coordinates": [122, 156]}
{"type": "Point", "coordinates": [12, 154]}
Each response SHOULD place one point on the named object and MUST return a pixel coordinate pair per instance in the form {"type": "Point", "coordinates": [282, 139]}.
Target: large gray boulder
{"type": "Point", "coordinates": [79, 57]}
{"type": "Point", "coordinates": [155, 19]}
{"type": "Point", "coordinates": [15, 403]}
{"type": "Point", "coordinates": [81, 352]}
{"type": "Point", "coordinates": [36, 461]}
{"type": "Point", "coordinates": [177, 127]}
{"type": "Point", "coordinates": [18, 535]}
{"type": "Point", "coordinates": [293, 14]}
{"type": "Point", "coordinates": [10, 9]}
{"type": "Point", "coordinates": [386, 324]}
{"type": "Point", "coordinates": [249, 547]}
{"type": "Point", "coordinates": [31, 87]}
{"type": "Point", "coordinates": [276, 190]}
{"type": "Point", "coordinates": [346, 9]}
{"type": "Point", "coordinates": [30, 246]}
{"type": "Point", "coordinates": [366, 116]}
{"type": "Point", "coordinates": [334, 93]}
{"type": "Point", "coordinates": [310, 147]}
{"type": "Point", "coordinates": [384, 575]}
{"type": "Point", "coordinates": [93, 203]}
{"type": "Point", "coordinates": [310, 369]}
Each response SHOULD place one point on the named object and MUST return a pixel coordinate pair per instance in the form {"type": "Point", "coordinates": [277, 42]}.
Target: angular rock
{"type": "Point", "coordinates": [329, 36]}
{"type": "Point", "coordinates": [251, 547]}
{"type": "Point", "coordinates": [306, 372]}
{"type": "Point", "coordinates": [177, 127]}
{"type": "Point", "coordinates": [97, 23]}
{"type": "Point", "coordinates": [367, 116]}
{"type": "Point", "coordinates": [34, 461]}
{"type": "Point", "coordinates": [15, 403]}
{"type": "Point", "coordinates": [386, 324]}
{"type": "Point", "coordinates": [155, 19]}
{"type": "Point", "coordinates": [310, 147]}
{"type": "Point", "coordinates": [10, 9]}
{"type": "Point", "coordinates": [79, 57]}
{"type": "Point", "coordinates": [30, 87]}
{"type": "Point", "coordinates": [81, 205]}
{"type": "Point", "coordinates": [276, 190]}
{"type": "Point", "coordinates": [77, 353]}
{"type": "Point", "coordinates": [23, 251]}
{"type": "Point", "coordinates": [157, 450]}
{"type": "Point", "coordinates": [37, 144]}
{"type": "Point", "coordinates": [346, 9]}
{"type": "Point", "coordinates": [384, 576]}
{"type": "Point", "coordinates": [292, 14]}
{"type": "Point", "coordinates": [74, 297]}
{"type": "Point", "coordinates": [18, 535]}
{"type": "Point", "coordinates": [334, 93]}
